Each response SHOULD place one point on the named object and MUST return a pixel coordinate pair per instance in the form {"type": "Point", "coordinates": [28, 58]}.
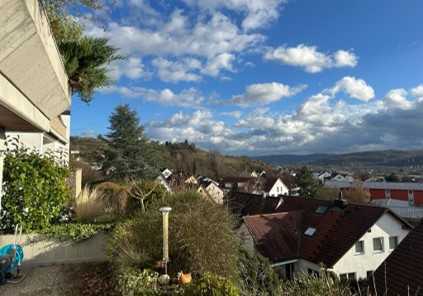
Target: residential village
{"type": "Point", "coordinates": [124, 213]}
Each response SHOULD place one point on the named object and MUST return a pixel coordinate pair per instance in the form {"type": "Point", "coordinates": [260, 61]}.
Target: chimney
{"type": "Point", "coordinates": [340, 202]}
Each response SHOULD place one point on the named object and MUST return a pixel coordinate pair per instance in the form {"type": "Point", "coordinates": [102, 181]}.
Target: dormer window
{"type": "Point", "coordinates": [310, 231]}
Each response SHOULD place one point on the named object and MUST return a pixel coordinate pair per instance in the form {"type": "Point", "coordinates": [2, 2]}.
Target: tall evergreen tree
{"type": "Point", "coordinates": [127, 155]}
{"type": "Point", "coordinates": [308, 186]}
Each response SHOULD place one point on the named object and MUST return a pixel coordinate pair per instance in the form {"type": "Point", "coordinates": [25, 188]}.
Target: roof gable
{"type": "Point", "coordinates": [338, 227]}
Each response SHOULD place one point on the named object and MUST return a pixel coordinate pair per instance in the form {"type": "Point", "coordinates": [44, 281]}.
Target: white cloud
{"type": "Point", "coordinates": [417, 91]}
{"type": "Point", "coordinates": [258, 13]}
{"type": "Point", "coordinates": [218, 63]}
{"type": "Point", "coordinates": [189, 98]}
{"type": "Point", "coordinates": [397, 98]}
{"type": "Point", "coordinates": [177, 70]}
{"type": "Point", "coordinates": [345, 58]}
{"type": "Point", "coordinates": [179, 37]}
{"type": "Point", "coordinates": [132, 68]}
{"type": "Point", "coordinates": [321, 124]}
{"type": "Point", "coordinates": [355, 88]}
{"type": "Point", "coordinates": [309, 58]}
{"type": "Point", "coordinates": [235, 114]}
{"type": "Point", "coordinates": [265, 93]}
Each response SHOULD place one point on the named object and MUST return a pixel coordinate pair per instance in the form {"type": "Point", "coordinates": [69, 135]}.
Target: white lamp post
{"type": "Point", "coordinates": [165, 213]}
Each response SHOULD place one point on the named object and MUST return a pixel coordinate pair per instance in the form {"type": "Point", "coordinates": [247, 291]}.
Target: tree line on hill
{"type": "Point", "coordinates": [125, 152]}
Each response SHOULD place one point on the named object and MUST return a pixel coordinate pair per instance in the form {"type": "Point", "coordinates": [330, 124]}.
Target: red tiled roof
{"type": "Point", "coordinates": [402, 270]}
{"type": "Point", "coordinates": [276, 235]}
{"type": "Point", "coordinates": [337, 229]}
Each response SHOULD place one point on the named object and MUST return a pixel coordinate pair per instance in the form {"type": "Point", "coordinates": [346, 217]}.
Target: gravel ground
{"type": "Point", "coordinates": [64, 280]}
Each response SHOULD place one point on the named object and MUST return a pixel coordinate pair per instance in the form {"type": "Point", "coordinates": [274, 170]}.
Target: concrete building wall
{"type": "Point", "coordinates": [352, 262]}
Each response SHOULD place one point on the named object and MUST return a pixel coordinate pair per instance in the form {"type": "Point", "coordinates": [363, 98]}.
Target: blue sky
{"type": "Point", "coordinates": [264, 76]}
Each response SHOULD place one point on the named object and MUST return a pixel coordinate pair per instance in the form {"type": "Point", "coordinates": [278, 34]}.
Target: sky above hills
{"type": "Point", "coordinates": [261, 77]}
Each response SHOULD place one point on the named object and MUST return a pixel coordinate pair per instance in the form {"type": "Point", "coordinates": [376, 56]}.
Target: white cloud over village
{"type": "Point", "coordinates": [323, 123]}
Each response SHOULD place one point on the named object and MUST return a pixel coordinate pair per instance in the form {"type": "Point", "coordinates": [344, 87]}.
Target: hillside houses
{"type": "Point", "coordinates": [301, 235]}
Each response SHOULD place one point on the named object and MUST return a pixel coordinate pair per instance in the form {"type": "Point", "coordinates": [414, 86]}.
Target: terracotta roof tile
{"type": "Point", "coordinates": [338, 226]}
{"type": "Point", "coordinates": [402, 270]}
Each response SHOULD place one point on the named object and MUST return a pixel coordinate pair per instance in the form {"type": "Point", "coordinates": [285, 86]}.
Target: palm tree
{"type": "Point", "coordinates": [85, 63]}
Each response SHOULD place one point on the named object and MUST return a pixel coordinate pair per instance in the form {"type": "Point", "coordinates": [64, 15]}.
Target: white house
{"type": "Point", "coordinates": [342, 178]}
{"type": "Point", "coordinates": [303, 235]}
{"type": "Point", "coordinates": [166, 173]}
{"type": "Point", "coordinates": [275, 187]}
{"type": "Point", "coordinates": [212, 191]}
{"type": "Point", "coordinates": [163, 181]}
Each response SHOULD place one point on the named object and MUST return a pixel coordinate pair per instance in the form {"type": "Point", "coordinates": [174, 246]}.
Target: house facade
{"type": "Point", "coordinates": [304, 236]}
{"type": "Point", "coordinates": [33, 95]}
{"type": "Point", "coordinates": [275, 187]}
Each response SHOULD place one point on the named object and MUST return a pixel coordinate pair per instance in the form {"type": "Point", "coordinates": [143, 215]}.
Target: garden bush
{"type": "Point", "coordinates": [257, 277]}
{"type": "Point", "coordinates": [115, 196]}
{"type": "Point", "coordinates": [201, 238]}
{"type": "Point", "coordinates": [212, 285]}
{"type": "Point", "coordinates": [74, 231]}
{"type": "Point", "coordinates": [133, 282]}
{"type": "Point", "coordinates": [309, 285]}
{"type": "Point", "coordinates": [35, 190]}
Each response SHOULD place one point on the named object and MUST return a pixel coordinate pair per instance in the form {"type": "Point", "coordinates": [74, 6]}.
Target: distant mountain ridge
{"type": "Point", "coordinates": [383, 158]}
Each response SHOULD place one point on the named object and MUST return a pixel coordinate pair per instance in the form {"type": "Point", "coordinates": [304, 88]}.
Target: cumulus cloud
{"type": "Point", "coordinates": [397, 99]}
{"type": "Point", "coordinates": [132, 68]}
{"type": "Point", "coordinates": [417, 91]}
{"type": "Point", "coordinates": [265, 93]}
{"type": "Point", "coordinates": [323, 123]}
{"type": "Point", "coordinates": [175, 71]}
{"type": "Point", "coordinates": [309, 58]}
{"type": "Point", "coordinates": [355, 88]}
{"type": "Point", "coordinates": [223, 61]}
{"type": "Point", "coordinates": [189, 98]}
{"type": "Point", "coordinates": [257, 13]}
{"type": "Point", "coordinates": [179, 37]}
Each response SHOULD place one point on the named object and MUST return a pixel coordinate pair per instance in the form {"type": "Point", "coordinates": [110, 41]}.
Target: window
{"type": "Point", "coordinates": [348, 276]}
{"type": "Point", "coordinates": [310, 231]}
{"type": "Point", "coordinates": [351, 276]}
{"type": "Point", "coordinates": [393, 242]}
{"type": "Point", "coordinates": [359, 247]}
{"type": "Point", "coordinates": [378, 244]}
{"type": "Point", "coordinates": [369, 275]}
{"type": "Point", "coordinates": [321, 209]}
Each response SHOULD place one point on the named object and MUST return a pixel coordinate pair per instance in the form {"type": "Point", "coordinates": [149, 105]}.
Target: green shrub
{"type": "Point", "coordinates": [201, 237]}
{"type": "Point", "coordinates": [308, 285]}
{"type": "Point", "coordinates": [74, 231]}
{"type": "Point", "coordinates": [35, 190]}
{"type": "Point", "coordinates": [133, 282]}
{"type": "Point", "coordinates": [212, 285]}
{"type": "Point", "coordinates": [257, 277]}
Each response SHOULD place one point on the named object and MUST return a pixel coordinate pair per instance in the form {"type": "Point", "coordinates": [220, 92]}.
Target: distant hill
{"type": "Point", "coordinates": [384, 158]}
{"type": "Point", "coordinates": [179, 157]}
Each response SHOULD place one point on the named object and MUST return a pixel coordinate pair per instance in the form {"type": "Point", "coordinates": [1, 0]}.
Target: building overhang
{"type": "Point", "coordinates": [34, 87]}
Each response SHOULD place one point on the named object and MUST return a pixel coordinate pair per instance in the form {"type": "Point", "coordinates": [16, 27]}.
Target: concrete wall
{"type": "Point", "coordinates": [40, 251]}
{"type": "Point", "coordinates": [370, 260]}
